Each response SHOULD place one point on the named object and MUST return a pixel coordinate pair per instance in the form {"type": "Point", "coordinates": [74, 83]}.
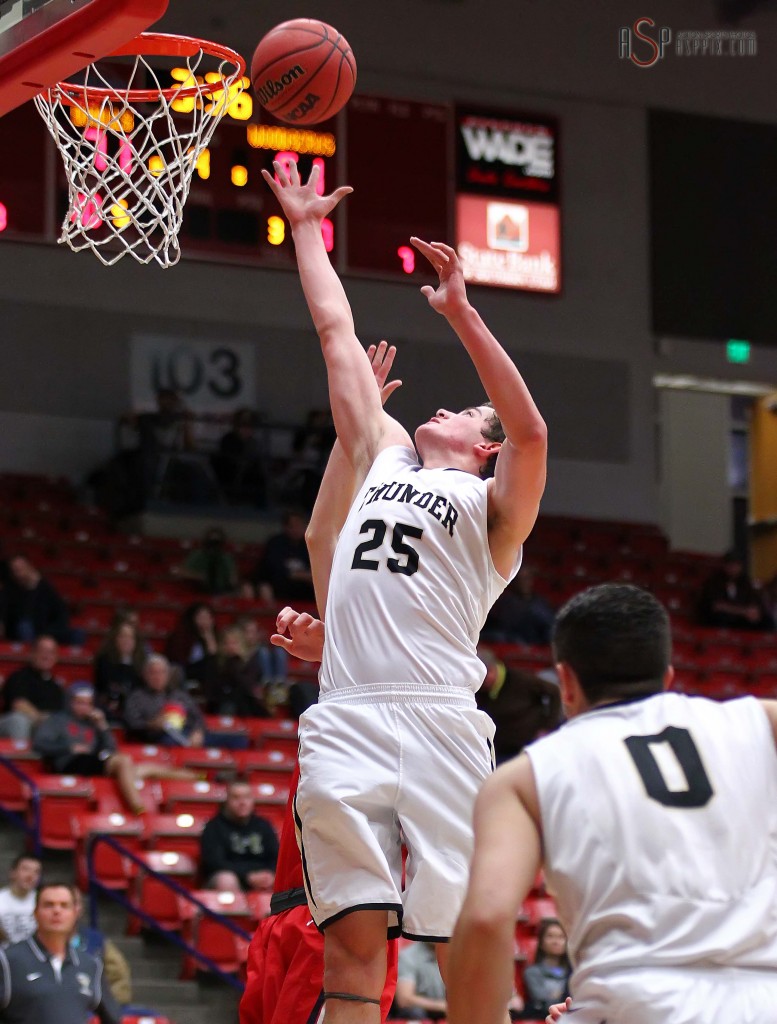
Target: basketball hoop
{"type": "Point", "coordinates": [130, 150]}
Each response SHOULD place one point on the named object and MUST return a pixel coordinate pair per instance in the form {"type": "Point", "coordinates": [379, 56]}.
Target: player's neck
{"type": "Point", "coordinates": [447, 459]}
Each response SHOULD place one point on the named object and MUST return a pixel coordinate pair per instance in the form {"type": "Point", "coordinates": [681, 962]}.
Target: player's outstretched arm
{"type": "Point", "coordinates": [505, 862]}
{"type": "Point", "coordinates": [521, 467]}
{"type": "Point", "coordinates": [361, 424]}
{"type": "Point", "coordinates": [338, 485]}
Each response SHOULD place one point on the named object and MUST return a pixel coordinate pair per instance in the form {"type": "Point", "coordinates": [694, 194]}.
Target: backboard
{"type": "Point", "coordinates": [46, 41]}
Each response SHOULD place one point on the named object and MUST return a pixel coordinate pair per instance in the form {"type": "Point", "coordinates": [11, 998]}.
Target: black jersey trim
{"type": "Point", "coordinates": [298, 823]}
{"type": "Point", "coordinates": [426, 938]}
{"type": "Point", "coordinates": [286, 900]}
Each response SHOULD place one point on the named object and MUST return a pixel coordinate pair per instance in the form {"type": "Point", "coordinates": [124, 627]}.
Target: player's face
{"type": "Point", "coordinates": [459, 431]}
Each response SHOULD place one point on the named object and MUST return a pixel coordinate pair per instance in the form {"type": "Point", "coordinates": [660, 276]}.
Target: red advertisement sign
{"type": "Point", "coordinates": [509, 244]}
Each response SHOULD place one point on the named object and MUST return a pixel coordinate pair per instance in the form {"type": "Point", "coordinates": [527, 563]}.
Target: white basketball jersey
{"type": "Point", "coordinates": [659, 822]}
{"type": "Point", "coordinates": [412, 579]}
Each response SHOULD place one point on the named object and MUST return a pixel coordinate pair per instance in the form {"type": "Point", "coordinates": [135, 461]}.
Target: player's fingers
{"type": "Point", "coordinates": [300, 624]}
{"type": "Point", "coordinates": [270, 180]}
{"type": "Point", "coordinates": [341, 193]}
{"type": "Point", "coordinates": [284, 617]}
{"type": "Point", "coordinates": [281, 173]}
{"type": "Point", "coordinates": [281, 641]}
{"type": "Point", "coordinates": [388, 390]}
{"type": "Point", "coordinates": [428, 291]}
{"type": "Point", "coordinates": [371, 352]}
{"type": "Point", "coordinates": [445, 250]}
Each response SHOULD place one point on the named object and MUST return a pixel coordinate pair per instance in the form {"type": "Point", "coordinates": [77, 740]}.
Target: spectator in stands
{"type": "Point", "coordinates": [420, 988]}
{"type": "Point", "coordinates": [210, 565]}
{"type": "Point", "coordinates": [92, 941]}
{"type": "Point", "coordinates": [17, 899]}
{"type": "Point", "coordinates": [31, 693]}
{"type": "Point", "coordinates": [728, 598]}
{"type": "Point", "coordinates": [264, 662]}
{"type": "Point", "coordinates": [44, 980]}
{"type": "Point", "coordinates": [523, 706]}
{"type": "Point", "coordinates": [34, 607]}
{"type": "Point", "coordinates": [520, 615]}
{"type": "Point", "coordinates": [231, 683]}
{"type": "Point", "coordinates": [283, 572]}
{"type": "Point", "coordinates": [78, 741]}
{"type": "Point", "coordinates": [162, 712]}
{"type": "Point", "coordinates": [310, 446]}
{"type": "Point", "coordinates": [239, 464]}
{"type": "Point", "coordinates": [118, 669]}
{"type": "Point", "coordinates": [239, 849]}
{"type": "Point", "coordinates": [193, 638]}
{"type": "Point", "coordinates": [546, 981]}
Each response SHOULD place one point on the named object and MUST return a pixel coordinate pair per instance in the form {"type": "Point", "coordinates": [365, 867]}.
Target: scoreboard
{"type": "Point", "coordinates": [482, 179]}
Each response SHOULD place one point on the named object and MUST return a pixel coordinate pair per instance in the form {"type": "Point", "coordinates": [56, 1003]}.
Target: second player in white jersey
{"type": "Point", "coordinates": [654, 816]}
{"type": "Point", "coordinates": [659, 825]}
{"type": "Point", "coordinates": [412, 579]}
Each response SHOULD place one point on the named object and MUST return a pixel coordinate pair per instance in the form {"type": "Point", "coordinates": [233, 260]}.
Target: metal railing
{"type": "Point", "coordinates": [97, 887]}
{"type": "Point", "coordinates": [32, 828]}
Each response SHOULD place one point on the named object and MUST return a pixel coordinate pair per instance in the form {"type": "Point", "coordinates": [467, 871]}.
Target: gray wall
{"type": "Point", "coordinates": [588, 355]}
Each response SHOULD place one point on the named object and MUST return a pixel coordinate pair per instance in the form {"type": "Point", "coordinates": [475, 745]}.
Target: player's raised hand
{"type": "Point", "coordinates": [557, 1011]}
{"type": "Point", "coordinates": [382, 358]}
{"type": "Point", "coordinates": [302, 202]}
{"type": "Point", "coordinates": [299, 633]}
{"type": "Point", "coordinates": [450, 296]}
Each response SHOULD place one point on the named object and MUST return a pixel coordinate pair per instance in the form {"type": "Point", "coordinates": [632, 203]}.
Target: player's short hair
{"type": "Point", "coordinates": [617, 640]}
{"type": "Point", "coordinates": [54, 885]}
{"type": "Point", "coordinates": [492, 431]}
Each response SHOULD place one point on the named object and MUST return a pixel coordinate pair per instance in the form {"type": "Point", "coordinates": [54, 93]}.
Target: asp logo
{"type": "Point", "coordinates": [647, 39]}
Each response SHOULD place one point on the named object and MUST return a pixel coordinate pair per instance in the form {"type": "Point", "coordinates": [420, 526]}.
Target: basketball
{"type": "Point", "coordinates": [303, 71]}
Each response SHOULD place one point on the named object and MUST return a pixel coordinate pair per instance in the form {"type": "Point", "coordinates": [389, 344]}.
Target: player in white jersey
{"type": "Point", "coordinates": [396, 749]}
{"type": "Point", "coordinates": [655, 816]}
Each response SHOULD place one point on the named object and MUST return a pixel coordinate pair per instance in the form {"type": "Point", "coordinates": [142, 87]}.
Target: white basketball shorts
{"type": "Point", "coordinates": [383, 765]}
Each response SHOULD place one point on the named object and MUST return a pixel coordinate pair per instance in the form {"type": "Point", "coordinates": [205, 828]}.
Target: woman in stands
{"type": "Point", "coordinates": [231, 684]}
{"type": "Point", "coordinates": [546, 981]}
{"type": "Point", "coordinates": [118, 669]}
{"type": "Point", "coordinates": [193, 639]}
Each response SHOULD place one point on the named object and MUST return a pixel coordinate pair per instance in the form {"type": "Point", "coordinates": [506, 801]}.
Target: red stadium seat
{"type": "Point", "coordinates": [151, 895]}
{"type": "Point", "coordinates": [197, 798]}
{"type": "Point", "coordinates": [210, 937]}
{"type": "Point", "coordinates": [62, 797]}
{"type": "Point", "coordinates": [175, 832]}
{"type": "Point", "coordinates": [268, 765]}
{"type": "Point", "coordinates": [209, 760]}
{"type": "Point", "coordinates": [110, 867]}
{"type": "Point", "coordinates": [14, 793]}
{"type": "Point", "coordinates": [538, 908]}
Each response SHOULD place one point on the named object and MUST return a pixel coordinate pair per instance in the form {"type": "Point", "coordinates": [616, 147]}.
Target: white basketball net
{"type": "Point", "coordinates": [129, 164]}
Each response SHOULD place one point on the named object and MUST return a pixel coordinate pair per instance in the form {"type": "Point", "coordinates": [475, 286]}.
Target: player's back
{"type": "Point", "coordinates": [659, 821]}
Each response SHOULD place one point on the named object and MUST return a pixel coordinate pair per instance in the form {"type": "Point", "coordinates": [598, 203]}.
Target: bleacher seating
{"type": "Point", "coordinates": [98, 570]}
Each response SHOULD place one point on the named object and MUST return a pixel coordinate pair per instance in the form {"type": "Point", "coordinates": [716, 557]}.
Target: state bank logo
{"type": "Point", "coordinates": [644, 44]}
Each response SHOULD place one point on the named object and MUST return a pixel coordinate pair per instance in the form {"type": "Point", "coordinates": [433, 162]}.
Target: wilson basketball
{"type": "Point", "coordinates": [303, 71]}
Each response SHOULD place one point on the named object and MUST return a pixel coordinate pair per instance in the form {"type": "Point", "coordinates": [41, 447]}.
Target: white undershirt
{"type": "Point", "coordinates": [56, 963]}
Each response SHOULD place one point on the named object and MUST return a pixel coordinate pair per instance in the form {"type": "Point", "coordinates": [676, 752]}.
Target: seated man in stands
{"type": "Point", "coordinates": [728, 598]}
{"type": "Point", "coordinates": [239, 849]}
{"type": "Point", "coordinates": [34, 607]}
{"type": "Point", "coordinates": [519, 615]}
{"type": "Point", "coordinates": [17, 899]}
{"type": "Point", "coordinates": [210, 565]}
{"type": "Point", "coordinates": [420, 988]}
{"type": "Point", "coordinates": [79, 741]}
{"type": "Point", "coordinates": [283, 573]}
{"type": "Point", "coordinates": [161, 711]}
{"type": "Point", "coordinates": [33, 692]}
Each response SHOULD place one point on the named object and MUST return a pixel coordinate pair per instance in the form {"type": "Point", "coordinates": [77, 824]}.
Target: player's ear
{"type": "Point", "coordinates": [485, 449]}
{"type": "Point", "coordinates": [572, 696]}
